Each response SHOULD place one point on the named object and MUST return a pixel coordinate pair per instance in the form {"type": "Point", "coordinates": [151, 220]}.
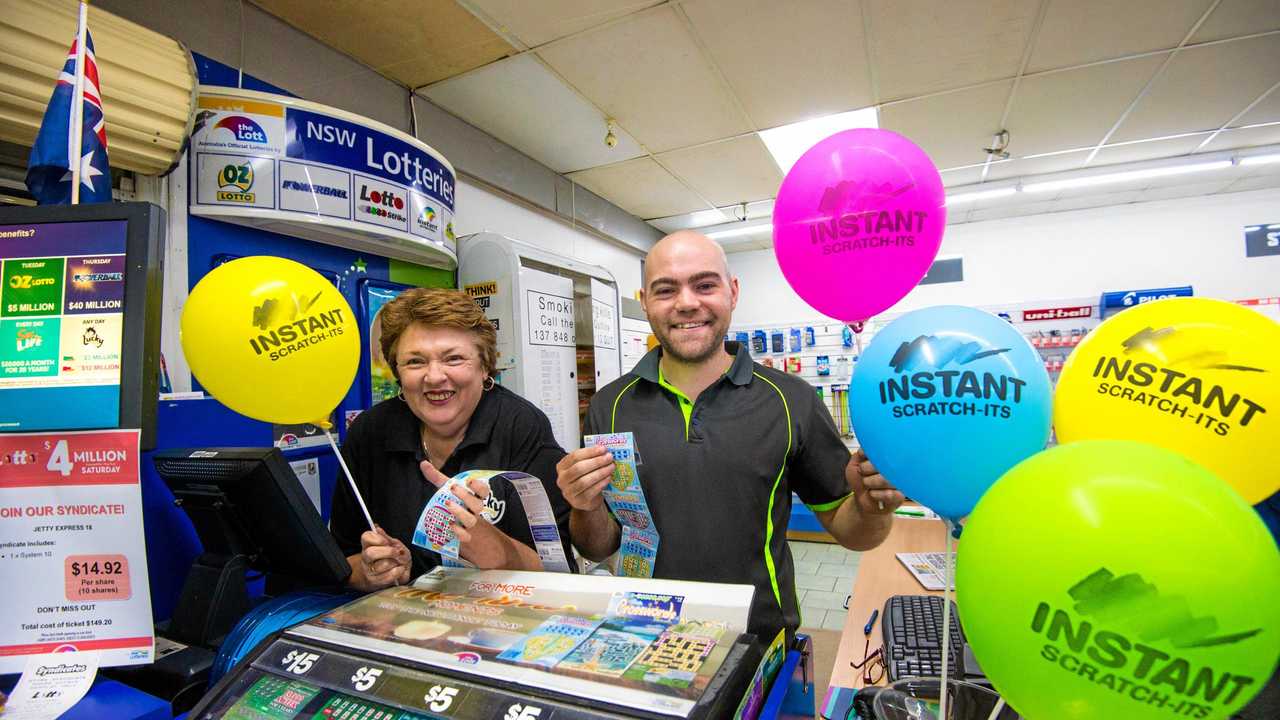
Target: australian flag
{"type": "Point", "coordinates": [49, 169]}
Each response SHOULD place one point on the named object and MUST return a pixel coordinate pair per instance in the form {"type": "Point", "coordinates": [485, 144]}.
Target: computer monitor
{"type": "Point", "coordinates": [250, 512]}
{"type": "Point", "coordinates": [80, 300]}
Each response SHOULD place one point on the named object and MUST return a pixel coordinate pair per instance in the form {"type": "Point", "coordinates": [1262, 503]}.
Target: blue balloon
{"type": "Point", "coordinates": [946, 399]}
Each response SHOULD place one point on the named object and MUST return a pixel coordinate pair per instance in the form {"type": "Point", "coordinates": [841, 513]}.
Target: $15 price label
{"type": "Point", "coordinates": [97, 577]}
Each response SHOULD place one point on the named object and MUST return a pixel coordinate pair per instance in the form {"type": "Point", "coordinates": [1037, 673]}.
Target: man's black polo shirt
{"type": "Point", "coordinates": [719, 483]}
{"type": "Point", "coordinates": [383, 449]}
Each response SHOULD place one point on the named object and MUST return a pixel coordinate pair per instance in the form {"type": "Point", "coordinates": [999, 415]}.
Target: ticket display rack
{"type": "Point", "coordinates": [475, 644]}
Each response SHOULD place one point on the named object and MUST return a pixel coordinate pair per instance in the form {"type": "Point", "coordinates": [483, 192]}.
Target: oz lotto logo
{"type": "Point", "coordinates": [236, 181]}
{"type": "Point", "coordinates": [243, 129]}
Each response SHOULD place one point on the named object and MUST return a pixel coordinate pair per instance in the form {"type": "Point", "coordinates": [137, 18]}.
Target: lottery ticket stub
{"type": "Point", "coordinates": [434, 530]}
{"type": "Point", "coordinates": [638, 552]}
{"type": "Point", "coordinates": [435, 525]}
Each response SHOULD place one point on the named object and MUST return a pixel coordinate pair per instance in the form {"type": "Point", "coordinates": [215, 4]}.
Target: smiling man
{"type": "Point", "coordinates": [724, 443]}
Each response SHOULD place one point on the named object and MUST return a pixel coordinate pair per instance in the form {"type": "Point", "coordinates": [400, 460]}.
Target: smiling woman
{"type": "Point", "coordinates": [450, 416]}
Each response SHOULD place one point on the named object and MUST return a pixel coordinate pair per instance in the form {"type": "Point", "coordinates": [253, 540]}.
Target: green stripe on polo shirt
{"type": "Point", "coordinates": [768, 531]}
{"type": "Point", "coordinates": [824, 507]}
{"type": "Point", "coordinates": [686, 405]}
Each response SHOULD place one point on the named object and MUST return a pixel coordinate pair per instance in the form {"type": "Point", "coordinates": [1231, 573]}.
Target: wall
{"type": "Point", "coordinates": [481, 209]}
{"type": "Point", "coordinates": [1189, 241]}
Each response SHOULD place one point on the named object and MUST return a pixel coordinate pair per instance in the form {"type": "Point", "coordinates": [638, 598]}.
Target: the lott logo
{"type": "Point", "coordinates": [236, 181]}
{"type": "Point", "coordinates": [243, 129]}
{"type": "Point", "coordinates": [923, 376]}
{"type": "Point", "coordinates": [382, 203]}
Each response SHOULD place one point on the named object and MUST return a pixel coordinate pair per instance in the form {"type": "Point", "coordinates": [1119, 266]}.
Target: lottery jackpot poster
{"type": "Point", "coordinates": [61, 325]}
{"type": "Point", "coordinates": [554, 631]}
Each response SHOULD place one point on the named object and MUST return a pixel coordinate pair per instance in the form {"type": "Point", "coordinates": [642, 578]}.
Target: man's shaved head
{"type": "Point", "coordinates": [689, 295]}
{"type": "Point", "coordinates": [685, 244]}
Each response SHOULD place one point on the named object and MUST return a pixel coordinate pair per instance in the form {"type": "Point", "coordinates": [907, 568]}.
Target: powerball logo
{"type": "Point", "coordinates": [243, 129]}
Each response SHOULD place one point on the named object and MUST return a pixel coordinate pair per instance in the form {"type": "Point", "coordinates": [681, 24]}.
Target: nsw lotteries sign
{"type": "Point", "coordinates": [261, 159]}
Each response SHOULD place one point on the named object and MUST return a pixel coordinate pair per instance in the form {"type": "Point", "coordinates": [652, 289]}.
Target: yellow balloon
{"type": "Point", "coordinates": [1196, 376]}
{"type": "Point", "coordinates": [271, 339]}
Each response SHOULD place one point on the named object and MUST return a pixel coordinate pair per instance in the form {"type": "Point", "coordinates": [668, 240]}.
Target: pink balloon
{"type": "Point", "coordinates": [858, 222]}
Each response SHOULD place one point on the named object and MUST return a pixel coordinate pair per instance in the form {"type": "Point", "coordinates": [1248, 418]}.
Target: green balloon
{"type": "Point", "coordinates": [1114, 579]}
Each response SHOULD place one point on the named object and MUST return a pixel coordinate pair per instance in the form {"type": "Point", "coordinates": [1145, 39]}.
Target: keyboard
{"type": "Point", "coordinates": [912, 626]}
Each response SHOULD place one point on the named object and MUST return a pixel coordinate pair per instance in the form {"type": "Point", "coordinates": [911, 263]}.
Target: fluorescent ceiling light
{"type": "Point", "coordinates": [960, 198]}
{"type": "Point", "coordinates": [1108, 178]}
{"type": "Point", "coordinates": [736, 231]}
{"type": "Point", "coordinates": [1260, 159]}
{"type": "Point", "coordinates": [788, 142]}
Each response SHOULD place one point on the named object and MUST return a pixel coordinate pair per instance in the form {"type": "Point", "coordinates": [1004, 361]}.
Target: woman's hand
{"type": "Point", "coordinates": [480, 543]}
{"type": "Point", "coordinates": [383, 561]}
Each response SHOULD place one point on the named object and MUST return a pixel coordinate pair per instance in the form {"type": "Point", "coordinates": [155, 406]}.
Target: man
{"type": "Point", "coordinates": [724, 442]}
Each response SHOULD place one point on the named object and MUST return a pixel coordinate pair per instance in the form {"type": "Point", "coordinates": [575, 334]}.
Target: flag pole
{"type": "Point", "coordinates": [75, 142]}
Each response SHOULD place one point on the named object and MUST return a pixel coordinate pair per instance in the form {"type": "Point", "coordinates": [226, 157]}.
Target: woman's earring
{"type": "Point", "coordinates": [488, 383]}
{"type": "Point", "coordinates": [401, 396]}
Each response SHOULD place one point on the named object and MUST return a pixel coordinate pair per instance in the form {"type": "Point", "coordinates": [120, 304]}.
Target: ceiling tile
{"type": "Point", "coordinates": [754, 42]}
{"type": "Point", "coordinates": [1205, 87]}
{"type": "Point", "coordinates": [1234, 18]}
{"type": "Point", "coordinates": [394, 37]}
{"type": "Point", "coordinates": [1246, 137]}
{"type": "Point", "coordinates": [1024, 167]}
{"type": "Point", "coordinates": [1135, 152]}
{"type": "Point", "coordinates": [923, 46]}
{"type": "Point", "coordinates": [734, 171]}
{"type": "Point", "coordinates": [700, 218]}
{"type": "Point", "coordinates": [536, 23]}
{"type": "Point", "coordinates": [648, 72]}
{"type": "Point", "coordinates": [952, 128]}
{"type": "Point", "coordinates": [641, 187]}
{"type": "Point", "coordinates": [555, 126]}
{"type": "Point", "coordinates": [1083, 31]}
{"type": "Point", "coordinates": [1266, 111]}
{"type": "Point", "coordinates": [1074, 108]}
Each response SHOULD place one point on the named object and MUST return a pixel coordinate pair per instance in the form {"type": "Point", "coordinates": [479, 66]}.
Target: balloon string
{"type": "Point", "coordinates": [946, 630]}
{"type": "Point", "coordinates": [995, 711]}
{"type": "Point", "coordinates": [346, 471]}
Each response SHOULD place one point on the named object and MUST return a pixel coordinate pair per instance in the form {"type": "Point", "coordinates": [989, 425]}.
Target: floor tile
{"type": "Point", "coordinates": [828, 600]}
{"type": "Point", "coordinates": [810, 582]}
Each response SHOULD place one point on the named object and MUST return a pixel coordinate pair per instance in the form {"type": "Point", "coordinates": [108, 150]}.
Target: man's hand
{"type": "Point", "coordinates": [384, 560]}
{"type": "Point", "coordinates": [874, 494]}
{"type": "Point", "coordinates": [582, 476]}
{"type": "Point", "coordinates": [480, 543]}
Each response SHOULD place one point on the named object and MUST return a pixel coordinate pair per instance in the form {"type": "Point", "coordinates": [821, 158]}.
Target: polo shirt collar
{"type": "Point", "coordinates": [405, 435]}
{"type": "Point", "coordinates": [740, 371]}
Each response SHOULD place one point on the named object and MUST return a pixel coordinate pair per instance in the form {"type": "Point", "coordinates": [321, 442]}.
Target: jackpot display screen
{"type": "Point", "coordinates": [62, 321]}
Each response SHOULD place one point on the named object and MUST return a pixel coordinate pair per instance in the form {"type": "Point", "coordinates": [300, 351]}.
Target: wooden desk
{"type": "Point", "coordinates": [879, 577]}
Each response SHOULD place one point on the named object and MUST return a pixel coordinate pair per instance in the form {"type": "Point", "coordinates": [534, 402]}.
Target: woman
{"type": "Point", "coordinates": [450, 416]}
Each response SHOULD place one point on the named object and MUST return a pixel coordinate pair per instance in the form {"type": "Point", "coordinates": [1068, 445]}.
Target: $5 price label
{"type": "Point", "coordinates": [522, 712]}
